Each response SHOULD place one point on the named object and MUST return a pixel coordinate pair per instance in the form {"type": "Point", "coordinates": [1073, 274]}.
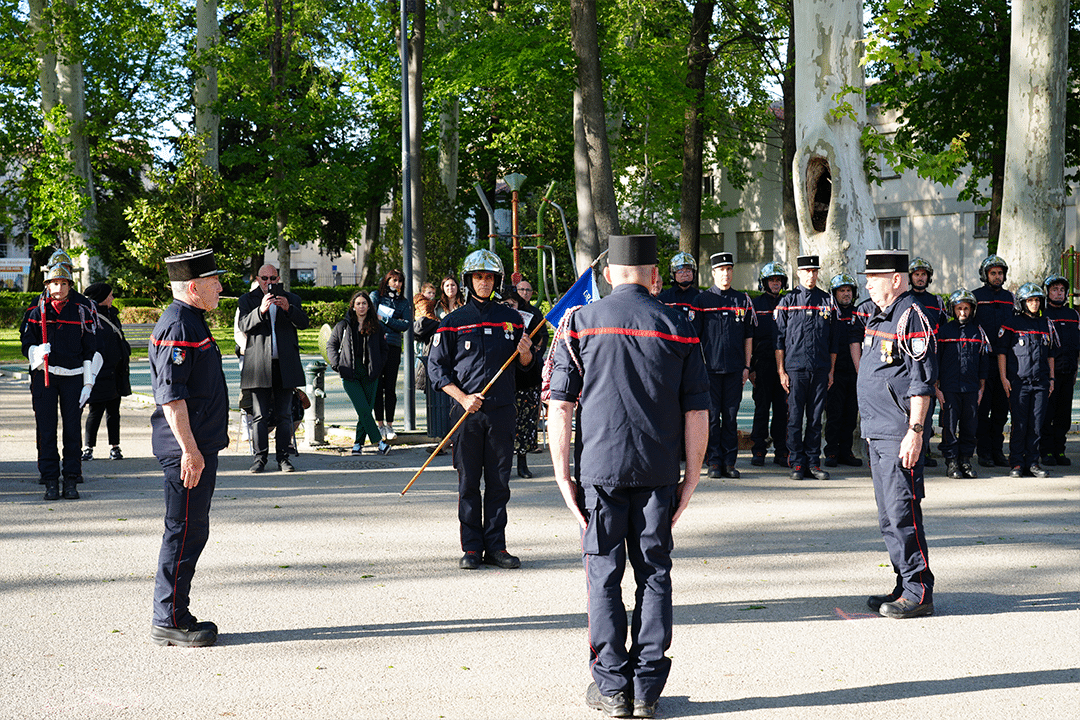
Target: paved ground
{"type": "Point", "coordinates": [338, 598]}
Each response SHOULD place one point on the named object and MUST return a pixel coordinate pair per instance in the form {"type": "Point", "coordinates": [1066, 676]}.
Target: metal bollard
{"type": "Point", "coordinates": [315, 417]}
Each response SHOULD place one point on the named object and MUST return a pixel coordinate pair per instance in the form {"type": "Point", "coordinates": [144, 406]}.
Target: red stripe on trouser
{"type": "Point", "coordinates": [918, 532]}
{"type": "Point", "coordinates": [180, 555]}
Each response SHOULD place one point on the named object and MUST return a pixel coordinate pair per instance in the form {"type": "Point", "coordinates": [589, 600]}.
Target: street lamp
{"type": "Point", "coordinates": [515, 181]}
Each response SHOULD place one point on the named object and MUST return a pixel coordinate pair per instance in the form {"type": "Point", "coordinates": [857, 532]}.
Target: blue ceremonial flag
{"type": "Point", "coordinates": [582, 292]}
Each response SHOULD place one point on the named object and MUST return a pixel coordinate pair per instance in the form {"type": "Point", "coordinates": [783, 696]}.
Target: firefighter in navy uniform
{"type": "Point", "coordinates": [189, 428]}
{"type": "Point", "coordinates": [897, 372]}
{"type": "Point", "coordinates": [66, 348]}
{"type": "Point", "coordinates": [635, 369]}
{"type": "Point", "coordinates": [769, 394]}
{"type": "Point", "coordinates": [995, 306]}
{"type": "Point", "coordinates": [468, 349]}
{"type": "Point", "coordinates": [1059, 410]}
{"type": "Point", "coordinates": [684, 287]}
{"type": "Point", "coordinates": [920, 275]}
{"type": "Point", "coordinates": [1027, 349]}
{"type": "Point", "coordinates": [842, 403]}
{"type": "Point", "coordinates": [963, 364]}
{"type": "Point", "coordinates": [808, 335]}
{"type": "Point", "coordinates": [724, 321]}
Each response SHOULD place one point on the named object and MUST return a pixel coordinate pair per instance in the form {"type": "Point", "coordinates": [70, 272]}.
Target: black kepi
{"type": "Point", "coordinates": [721, 259]}
{"type": "Point", "coordinates": [809, 262]}
{"type": "Point", "coordinates": [631, 250]}
{"type": "Point", "coordinates": [192, 265]}
{"type": "Point", "coordinates": [886, 261]}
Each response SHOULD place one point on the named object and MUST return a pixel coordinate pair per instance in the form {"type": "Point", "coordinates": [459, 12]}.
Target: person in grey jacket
{"type": "Point", "coordinates": [357, 352]}
{"type": "Point", "coordinates": [272, 370]}
{"type": "Point", "coordinates": [395, 316]}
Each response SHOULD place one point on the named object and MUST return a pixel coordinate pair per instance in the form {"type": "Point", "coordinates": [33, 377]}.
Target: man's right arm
{"type": "Point", "coordinates": [191, 461]}
{"type": "Point", "coordinates": [560, 422]}
{"type": "Point", "coordinates": [696, 433]}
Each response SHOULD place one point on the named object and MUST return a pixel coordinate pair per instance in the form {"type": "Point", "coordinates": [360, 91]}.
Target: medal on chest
{"type": "Point", "coordinates": [508, 330]}
{"type": "Point", "coordinates": [887, 351]}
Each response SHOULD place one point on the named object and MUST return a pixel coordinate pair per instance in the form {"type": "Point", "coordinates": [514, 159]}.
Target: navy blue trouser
{"type": "Point", "coordinates": [993, 413]}
{"type": "Point", "coordinates": [959, 420]}
{"type": "Point", "coordinates": [187, 527]}
{"type": "Point", "coordinates": [1058, 415]}
{"type": "Point", "coordinates": [899, 493]}
{"type": "Point", "coordinates": [806, 398]}
{"type": "Point", "coordinates": [769, 396]}
{"type": "Point", "coordinates": [484, 448]}
{"type": "Point", "coordinates": [63, 393]}
{"type": "Point", "coordinates": [272, 407]}
{"type": "Point", "coordinates": [726, 393]}
{"type": "Point", "coordinates": [1028, 406]}
{"type": "Point", "coordinates": [842, 411]}
{"type": "Point", "coordinates": [634, 523]}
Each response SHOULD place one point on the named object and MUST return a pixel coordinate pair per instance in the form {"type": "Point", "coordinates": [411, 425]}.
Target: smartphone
{"type": "Point", "coordinates": [276, 289]}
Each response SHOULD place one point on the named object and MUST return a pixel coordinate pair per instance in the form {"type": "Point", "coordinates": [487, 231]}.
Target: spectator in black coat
{"type": "Point", "coordinates": [357, 352]}
{"type": "Point", "coordinates": [114, 379]}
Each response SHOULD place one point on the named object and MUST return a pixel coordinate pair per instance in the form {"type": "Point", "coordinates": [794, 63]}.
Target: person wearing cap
{"type": "Point", "coordinates": [963, 362]}
{"type": "Point", "coordinates": [995, 307]}
{"type": "Point", "coordinates": [897, 373]}
{"type": "Point", "coordinates": [724, 320]}
{"type": "Point", "coordinates": [1058, 420]}
{"type": "Point", "coordinates": [684, 287]}
{"type": "Point", "coordinates": [189, 427]}
{"type": "Point", "coordinates": [808, 336]}
{"type": "Point", "coordinates": [1027, 349]}
{"type": "Point", "coordinates": [58, 334]}
{"type": "Point", "coordinates": [841, 403]}
{"type": "Point", "coordinates": [468, 349]}
{"type": "Point", "coordinates": [113, 380]}
{"type": "Point", "coordinates": [769, 394]}
{"type": "Point", "coordinates": [634, 369]}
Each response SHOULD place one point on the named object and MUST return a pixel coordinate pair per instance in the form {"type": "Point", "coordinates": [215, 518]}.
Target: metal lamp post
{"type": "Point", "coordinates": [515, 181]}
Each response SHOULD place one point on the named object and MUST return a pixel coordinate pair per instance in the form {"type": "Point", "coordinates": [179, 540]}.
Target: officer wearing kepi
{"type": "Point", "coordinates": [189, 429]}
{"type": "Point", "coordinates": [468, 349]}
{"type": "Point", "coordinates": [897, 373]}
{"type": "Point", "coordinates": [769, 394]}
{"type": "Point", "coordinates": [635, 368]}
{"type": "Point", "coordinates": [808, 337]}
{"type": "Point", "coordinates": [724, 320]}
{"type": "Point", "coordinates": [684, 287]}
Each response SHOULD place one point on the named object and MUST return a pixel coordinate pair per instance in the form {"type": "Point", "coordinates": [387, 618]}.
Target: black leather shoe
{"type": "Point", "coordinates": [197, 634]}
{"type": "Point", "coordinates": [502, 559]}
{"type": "Point", "coordinates": [1000, 460]}
{"type": "Point", "coordinates": [88, 454]}
{"type": "Point", "coordinates": [616, 705]}
{"type": "Point", "coordinates": [903, 608]}
{"type": "Point", "coordinates": [714, 472]}
{"type": "Point", "coordinates": [757, 460]}
{"type": "Point", "coordinates": [258, 466]}
{"type": "Point", "coordinates": [285, 466]}
{"type": "Point", "coordinates": [966, 470]}
{"type": "Point", "coordinates": [1048, 460]}
{"type": "Point", "coordinates": [523, 467]}
{"type": "Point", "coordinates": [985, 461]}
{"type": "Point", "coordinates": [850, 461]}
{"type": "Point", "coordinates": [781, 459]}
{"type": "Point", "coordinates": [1062, 459]}
{"type": "Point", "coordinates": [874, 602]}
{"type": "Point", "coordinates": [643, 709]}
{"type": "Point", "coordinates": [70, 491]}
{"type": "Point", "coordinates": [729, 471]}
{"type": "Point", "coordinates": [952, 469]}
{"type": "Point", "coordinates": [470, 560]}
{"type": "Point", "coordinates": [797, 472]}
{"type": "Point", "coordinates": [929, 462]}
{"type": "Point", "coordinates": [830, 461]}
{"type": "Point", "coordinates": [1035, 471]}
{"type": "Point", "coordinates": [1016, 472]}
{"type": "Point", "coordinates": [817, 473]}
{"type": "Point", "coordinates": [52, 490]}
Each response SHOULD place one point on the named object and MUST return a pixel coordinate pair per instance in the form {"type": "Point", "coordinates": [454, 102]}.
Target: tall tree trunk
{"type": "Point", "coordinates": [46, 55]}
{"type": "Point", "coordinates": [587, 247]}
{"type": "Point", "coordinates": [284, 252]}
{"type": "Point", "coordinates": [280, 50]}
{"type": "Point", "coordinates": [449, 114]}
{"type": "Point", "coordinates": [1033, 201]}
{"type": "Point", "coordinates": [418, 264]}
{"type": "Point", "coordinates": [698, 57]}
{"type": "Point", "coordinates": [789, 247]}
{"type": "Point", "coordinates": [583, 33]}
{"type": "Point", "coordinates": [207, 120]}
{"type": "Point", "coordinates": [832, 195]}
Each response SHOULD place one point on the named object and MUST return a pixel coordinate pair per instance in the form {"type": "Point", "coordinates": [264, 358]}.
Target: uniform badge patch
{"type": "Point", "coordinates": [438, 338]}
{"type": "Point", "coordinates": [468, 344]}
{"type": "Point", "coordinates": [1001, 332]}
{"type": "Point", "coordinates": [178, 356]}
{"type": "Point", "coordinates": [918, 346]}
{"type": "Point", "coordinates": [690, 314]}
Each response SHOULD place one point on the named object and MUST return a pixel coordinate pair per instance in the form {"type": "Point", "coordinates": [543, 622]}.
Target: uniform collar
{"type": "Point", "coordinates": [631, 288]}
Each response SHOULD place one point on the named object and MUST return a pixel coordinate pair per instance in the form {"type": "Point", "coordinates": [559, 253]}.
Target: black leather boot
{"type": "Point", "coordinates": [70, 491]}
{"type": "Point", "coordinates": [523, 466]}
{"type": "Point", "coordinates": [952, 468]}
{"type": "Point", "coordinates": [52, 490]}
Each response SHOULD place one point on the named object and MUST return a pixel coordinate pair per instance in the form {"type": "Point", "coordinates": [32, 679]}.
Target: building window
{"type": "Point", "coordinates": [708, 186]}
{"type": "Point", "coordinates": [982, 224]}
{"type": "Point", "coordinates": [890, 233]}
{"type": "Point", "coordinates": [754, 245]}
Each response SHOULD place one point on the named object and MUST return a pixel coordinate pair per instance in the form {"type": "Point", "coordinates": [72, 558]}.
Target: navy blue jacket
{"type": "Point", "coordinates": [678, 298]}
{"type": "Point", "coordinates": [995, 307]}
{"type": "Point", "coordinates": [635, 366]}
{"type": "Point", "coordinates": [808, 329]}
{"type": "Point", "coordinates": [1027, 343]}
{"type": "Point", "coordinates": [470, 346]}
{"type": "Point", "coordinates": [964, 354]}
{"type": "Point", "coordinates": [852, 332]}
{"type": "Point", "coordinates": [72, 334]}
{"type": "Point", "coordinates": [395, 315]}
{"type": "Point", "coordinates": [723, 319]}
{"type": "Point", "coordinates": [889, 374]}
{"type": "Point", "coordinates": [1067, 324]}
{"type": "Point", "coordinates": [933, 306]}
{"type": "Point", "coordinates": [763, 359]}
{"type": "Point", "coordinates": [185, 364]}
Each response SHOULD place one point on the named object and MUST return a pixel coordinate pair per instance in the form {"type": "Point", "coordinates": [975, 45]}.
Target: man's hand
{"type": "Point", "coordinates": [524, 348]}
{"type": "Point", "coordinates": [752, 377]}
{"type": "Point", "coordinates": [941, 396]}
{"type": "Point", "coordinates": [910, 449]}
{"type": "Point", "coordinates": [472, 403]}
{"type": "Point", "coordinates": [38, 353]}
{"type": "Point", "coordinates": [191, 467]}
{"type": "Point", "coordinates": [1008, 387]}
{"type": "Point", "coordinates": [745, 376]}
{"type": "Point", "coordinates": [785, 381]}
{"type": "Point", "coordinates": [829, 386]}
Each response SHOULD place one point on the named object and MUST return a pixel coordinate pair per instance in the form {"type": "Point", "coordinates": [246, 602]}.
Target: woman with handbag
{"type": "Point", "coordinates": [357, 351]}
{"type": "Point", "coordinates": [395, 316]}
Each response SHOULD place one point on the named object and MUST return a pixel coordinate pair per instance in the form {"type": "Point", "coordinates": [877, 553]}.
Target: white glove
{"type": "Point", "coordinates": [85, 395]}
{"type": "Point", "coordinates": [38, 353]}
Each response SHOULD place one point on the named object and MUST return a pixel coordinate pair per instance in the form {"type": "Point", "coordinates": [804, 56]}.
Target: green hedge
{"type": "Point", "coordinates": [341, 293]}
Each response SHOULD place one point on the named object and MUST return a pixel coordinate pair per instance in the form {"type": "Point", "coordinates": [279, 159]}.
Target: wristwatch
{"type": "Point", "coordinates": [917, 427]}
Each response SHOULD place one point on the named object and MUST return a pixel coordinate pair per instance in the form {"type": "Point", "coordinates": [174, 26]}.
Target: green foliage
{"type": "Point", "coordinates": [59, 198]}
{"type": "Point", "coordinates": [140, 315]}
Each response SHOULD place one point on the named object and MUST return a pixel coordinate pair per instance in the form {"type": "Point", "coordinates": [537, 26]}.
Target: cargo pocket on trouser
{"type": "Point", "coordinates": [590, 536]}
